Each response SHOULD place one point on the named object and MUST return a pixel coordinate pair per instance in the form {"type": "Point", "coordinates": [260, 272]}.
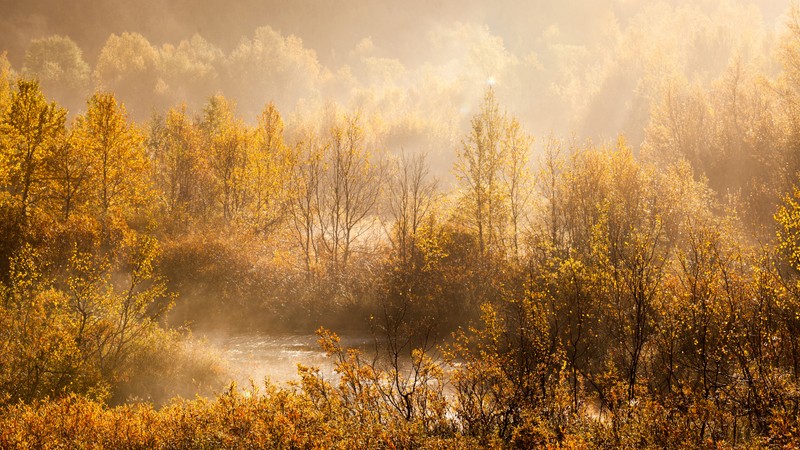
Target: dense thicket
{"type": "Point", "coordinates": [603, 297]}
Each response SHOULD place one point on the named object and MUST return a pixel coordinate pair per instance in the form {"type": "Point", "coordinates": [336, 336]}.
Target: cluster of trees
{"type": "Point", "coordinates": [149, 77]}
{"type": "Point", "coordinates": [607, 297]}
{"type": "Point", "coordinates": [596, 75]}
{"type": "Point", "coordinates": [81, 293]}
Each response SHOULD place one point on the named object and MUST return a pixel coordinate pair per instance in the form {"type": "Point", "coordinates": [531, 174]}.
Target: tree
{"type": "Point", "coordinates": [80, 334]}
{"type": "Point", "coordinates": [305, 185]}
{"type": "Point", "coordinates": [29, 133]}
{"type": "Point", "coordinates": [39, 354]}
{"type": "Point", "coordinates": [478, 168]}
{"type": "Point", "coordinates": [225, 138]}
{"type": "Point", "coordinates": [70, 170]}
{"type": "Point", "coordinates": [128, 67]}
{"type": "Point", "coordinates": [409, 313]}
{"type": "Point", "coordinates": [30, 130]}
{"type": "Point", "coordinates": [269, 171]}
{"type": "Point", "coordinates": [57, 62]}
{"type": "Point", "coordinates": [789, 56]}
{"type": "Point", "coordinates": [269, 66]}
{"type": "Point", "coordinates": [118, 158]}
{"type": "Point", "coordinates": [411, 197]}
{"type": "Point", "coordinates": [347, 197]}
{"type": "Point", "coordinates": [180, 170]}
{"type": "Point", "coordinates": [728, 134]}
{"type": "Point", "coordinates": [507, 373]}
{"type": "Point", "coordinates": [190, 71]}
{"type": "Point", "coordinates": [682, 126]}
{"type": "Point", "coordinates": [516, 179]}
{"type": "Point", "coordinates": [706, 323]}
{"type": "Point", "coordinates": [6, 81]}
{"type": "Point", "coordinates": [605, 282]}
{"type": "Point", "coordinates": [632, 250]}
{"type": "Point", "coordinates": [551, 228]}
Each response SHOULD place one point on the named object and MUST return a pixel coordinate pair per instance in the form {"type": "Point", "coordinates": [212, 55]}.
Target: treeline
{"type": "Point", "coordinates": [596, 75]}
{"type": "Point", "coordinates": [150, 77]}
{"type": "Point", "coordinates": [604, 297]}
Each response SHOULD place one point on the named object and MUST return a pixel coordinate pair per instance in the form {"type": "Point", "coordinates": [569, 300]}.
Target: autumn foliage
{"type": "Point", "coordinates": [594, 296]}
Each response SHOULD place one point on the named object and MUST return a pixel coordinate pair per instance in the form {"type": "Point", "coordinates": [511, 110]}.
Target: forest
{"type": "Point", "coordinates": [546, 292]}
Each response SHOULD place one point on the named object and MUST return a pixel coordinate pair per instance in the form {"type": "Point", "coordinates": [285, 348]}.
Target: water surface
{"type": "Point", "coordinates": [259, 356]}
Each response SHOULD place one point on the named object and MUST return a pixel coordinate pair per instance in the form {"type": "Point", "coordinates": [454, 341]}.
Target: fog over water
{"type": "Point", "coordinates": [259, 356]}
{"type": "Point", "coordinates": [416, 69]}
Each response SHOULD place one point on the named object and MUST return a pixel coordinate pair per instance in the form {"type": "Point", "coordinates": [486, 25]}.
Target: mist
{"type": "Point", "coordinates": [588, 70]}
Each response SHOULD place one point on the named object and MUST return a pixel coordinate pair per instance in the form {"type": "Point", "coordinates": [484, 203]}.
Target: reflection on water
{"type": "Point", "coordinates": [275, 357]}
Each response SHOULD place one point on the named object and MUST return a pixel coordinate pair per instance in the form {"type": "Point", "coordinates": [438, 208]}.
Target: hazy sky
{"type": "Point", "coordinates": [590, 67]}
{"type": "Point", "coordinates": [332, 28]}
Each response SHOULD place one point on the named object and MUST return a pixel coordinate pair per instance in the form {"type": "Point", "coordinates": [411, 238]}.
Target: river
{"type": "Point", "coordinates": [259, 356]}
